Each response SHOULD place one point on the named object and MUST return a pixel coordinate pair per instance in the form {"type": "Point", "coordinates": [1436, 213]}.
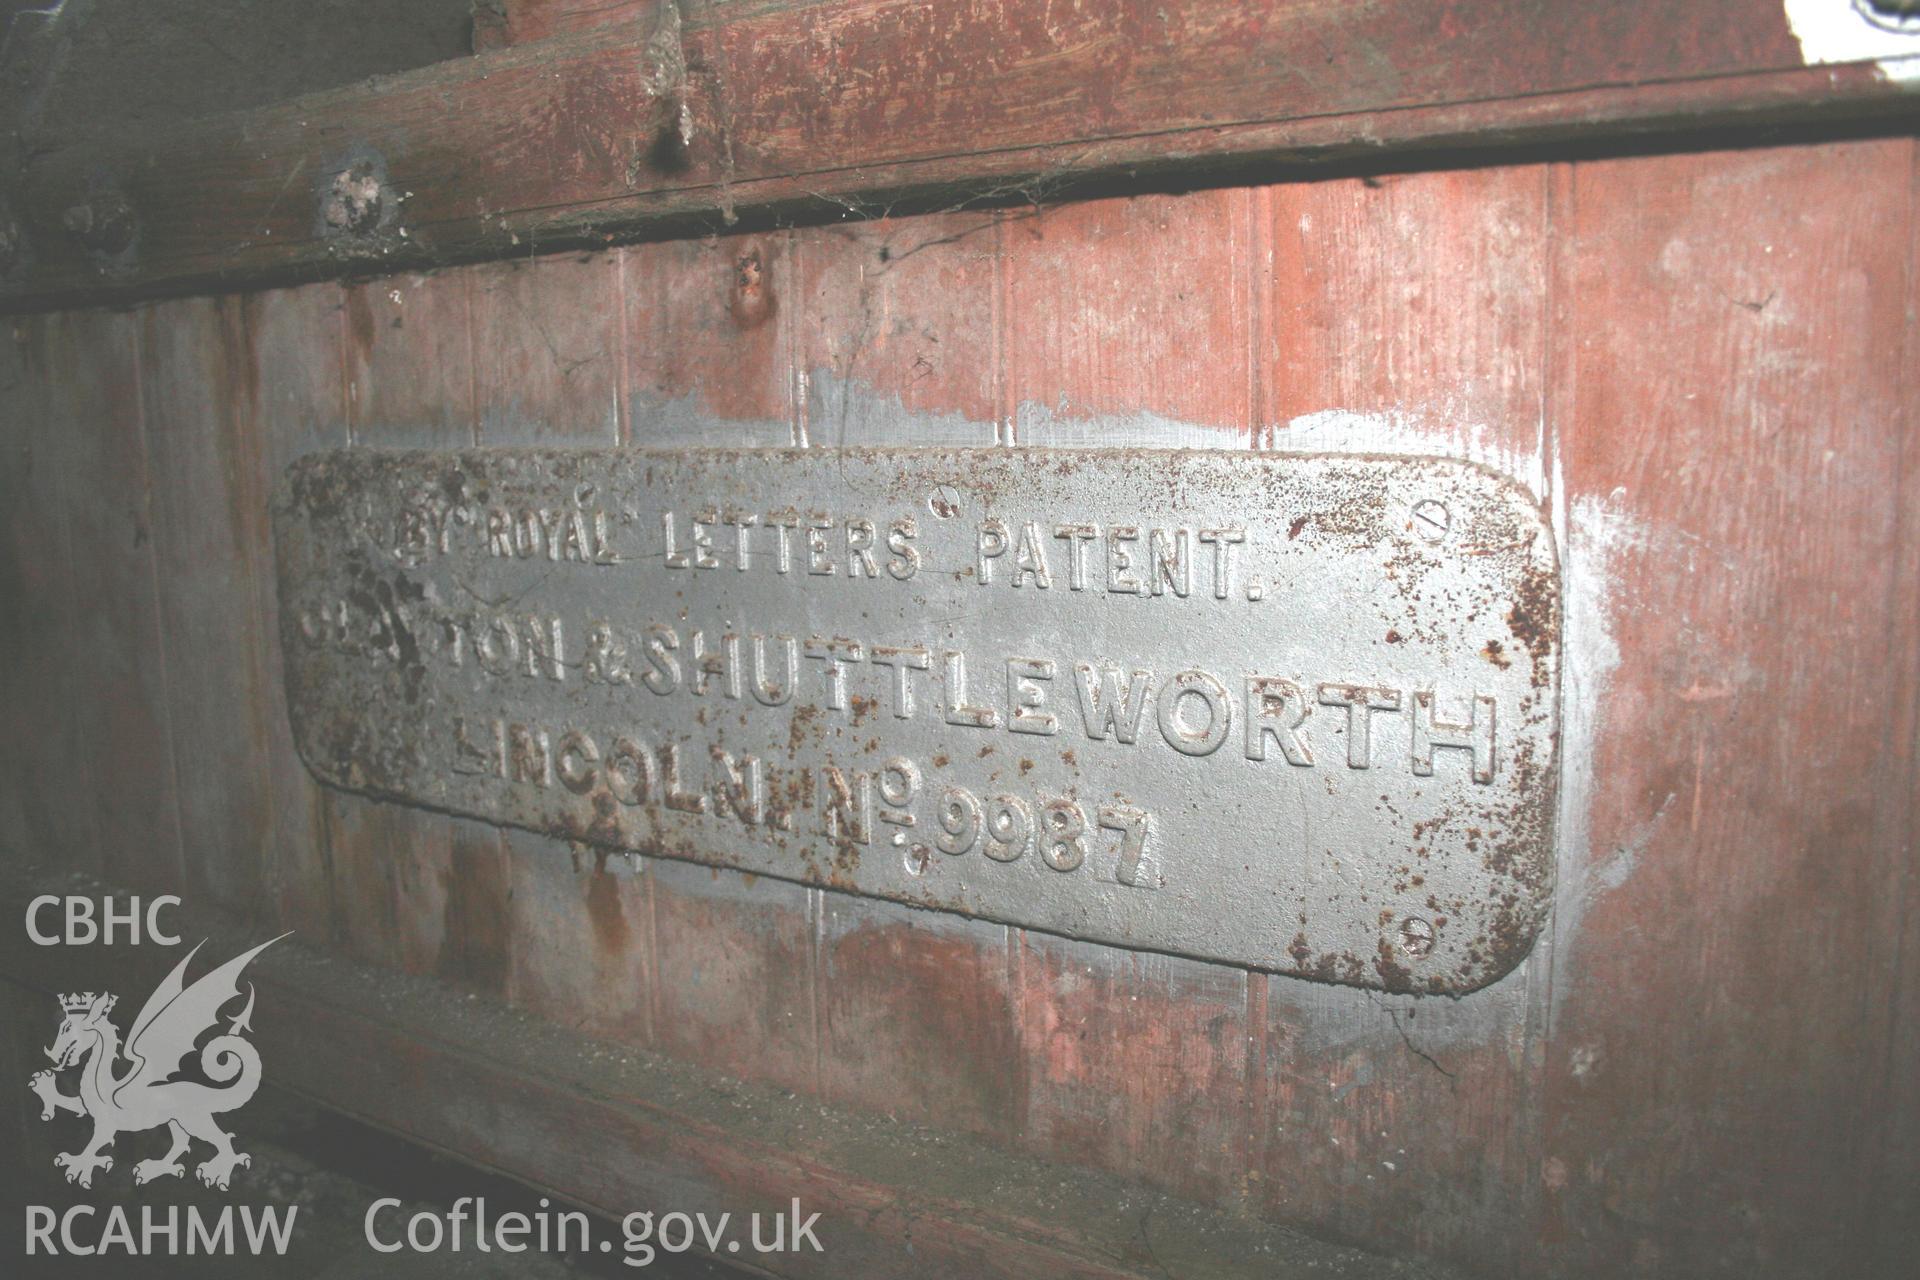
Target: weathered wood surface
{"type": "Point", "coordinates": [1705, 1067]}
{"type": "Point", "coordinates": [458, 1074]}
{"type": "Point", "coordinates": [798, 109]}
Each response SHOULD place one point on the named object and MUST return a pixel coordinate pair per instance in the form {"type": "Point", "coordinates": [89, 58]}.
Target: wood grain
{"type": "Point", "coordinates": [45, 801]}
{"type": "Point", "coordinates": [1694, 359]}
{"type": "Point", "coordinates": [708, 342]}
{"type": "Point", "coordinates": [1728, 434]}
{"type": "Point", "coordinates": [1128, 320]}
{"type": "Point", "coordinates": [899, 340]}
{"type": "Point", "coordinates": [298, 405]}
{"type": "Point", "coordinates": [1895, 1218]}
{"type": "Point", "coordinates": [809, 108]}
{"type": "Point", "coordinates": [213, 552]}
{"type": "Point", "coordinates": [548, 366]}
{"type": "Point", "coordinates": [410, 376]}
{"type": "Point", "coordinates": [1404, 314]}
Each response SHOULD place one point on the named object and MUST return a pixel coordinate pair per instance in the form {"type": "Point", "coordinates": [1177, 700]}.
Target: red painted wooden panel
{"type": "Point", "coordinates": [1131, 315]}
{"type": "Point", "coordinates": [709, 347]}
{"type": "Point", "coordinates": [1408, 311]}
{"type": "Point", "coordinates": [895, 343]}
{"type": "Point", "coordinates": [1704, 1068]}
{"type": "Point", "coordinates": [213, 548]}
{"type": "Point", "coordinates": [547, 350]}
{"type": "Point", "coordinates": [296, 404]}
{"type": "Point", "coordinates": [548, 364]}
{"type": "Point", "coordinates": [1135, 1063]}
{"type": "Point", "coordinates": [1895, 1220]}
{"type": "Point", "coordinates": [898, 335]}
{"type": "Point", "coordinates": [1403, 314]}
{"type": "Point", "coordinates": [1727, 418]}
{"type": "Point", "coordinates": [709, 332]}
{"type": "Point", "coordinates": [409, 363]}
{"type": "Point", "coordinates": [917, 1017]}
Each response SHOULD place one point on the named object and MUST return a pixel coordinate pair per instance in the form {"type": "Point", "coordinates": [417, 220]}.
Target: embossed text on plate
{"type": "Point", "coordinates": [1295, 712]}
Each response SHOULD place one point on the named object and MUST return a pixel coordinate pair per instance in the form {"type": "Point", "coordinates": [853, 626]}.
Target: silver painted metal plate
{"type": "Point", "coordinates": [1294, 712]}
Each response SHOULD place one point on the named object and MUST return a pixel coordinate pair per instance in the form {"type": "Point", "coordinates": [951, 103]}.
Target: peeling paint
{"type": "Point", "coordinates": [1596, 533]}
{"type": "Point", "coordinates": [1059, 426]}
{"type": "Point", "coordinates": [850, 411]}
{"type": "Point", "coordinates": [1407, 431]}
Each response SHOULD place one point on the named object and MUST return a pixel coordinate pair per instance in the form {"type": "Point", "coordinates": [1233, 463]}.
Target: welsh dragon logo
{"type": "Point", "coordinates": [146, 1095]}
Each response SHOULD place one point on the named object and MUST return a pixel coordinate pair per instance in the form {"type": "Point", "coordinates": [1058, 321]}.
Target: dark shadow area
{"type": "Point", "coordinates": [333, 1169]}
{"type": "Point", "coordinates": [75, 67]}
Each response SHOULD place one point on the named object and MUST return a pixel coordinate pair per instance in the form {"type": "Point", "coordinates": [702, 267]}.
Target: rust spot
{"type": "Point", "coordinates": [750, 300]}
{"type": "Point", "coordinates": [474, 942]}
{"type": "Point", "coordinates": [604, 907]}
{"type": "Point", "coordinates": [1534, 618]}
{"type": "Point", "coordinates": [1394, 976]}
{"type": "Point", "coordinates": [1293, 530]}
{"type": "Point", "coordinates": [1496, 653]}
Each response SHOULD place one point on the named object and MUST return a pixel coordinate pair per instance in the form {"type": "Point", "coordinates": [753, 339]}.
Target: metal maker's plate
{"type": "Point", "coordinates": [1287, 711]}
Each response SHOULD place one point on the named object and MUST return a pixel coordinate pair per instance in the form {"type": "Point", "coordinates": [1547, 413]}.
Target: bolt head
{"type": "Point", "coordinates": [1431, 519]}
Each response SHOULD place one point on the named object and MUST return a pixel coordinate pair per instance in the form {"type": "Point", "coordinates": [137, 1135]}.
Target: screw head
{"type": "Point", "coordinates": [1430, 519]}
{"type": "Point", "coordinates": [944, 501]}
{"type": "Point", "coordinates": [1416, 936]}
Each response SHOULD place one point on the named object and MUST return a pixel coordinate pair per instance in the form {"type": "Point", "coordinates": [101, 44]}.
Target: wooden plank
{"type": "Point", "coordinates": [297, 404]}
{"type": "Point", "coordinates": [1403, 314]}
{"type": "Point", "coordinates": [622, 1130]}
{"type": "Point", "coordinates": [46, 803]}
{"type": "Point", "coordinates": [125, 737]}
{"type": "Point", "coordinates": [1134, 1063]}
{"type": "Point", "coordinates": [1729, 440]}
{"type": "Point", "coordinates": [213, 551]}
{"type": "Point", "coordinates": [1897, 1219]}
{"type": "Point", "coordinates": [709, 361]}
{"type": "Point", "coordinates": [1126, 322]}
{"type": "Point", "coordinates": [548, 368]}
{"type": "Point", "coordinates": [547, 353]}
{"type": "Point", "coordinates": [917, 1020]}
{"type": "Point", "coordinates": [409, 366]}
{"type": "Point", "coordinates": [1407, 312]}
{"type": "Point", "coordinates": [709, 357]}
{"type": "Point", "coordinates": [809, 107]}
{"type": "Point", "coordinates": [898, 344]}
{"type": "Point", "coordinates": [735, 964]}
{"type": "Point", "coordinates": [522, 21]}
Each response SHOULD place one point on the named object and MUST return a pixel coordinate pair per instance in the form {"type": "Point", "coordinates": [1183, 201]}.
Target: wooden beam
{"type": "Point", "coordinates": [784, 109]}
{"type": "Point", "coordinates": [620, 1130]}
